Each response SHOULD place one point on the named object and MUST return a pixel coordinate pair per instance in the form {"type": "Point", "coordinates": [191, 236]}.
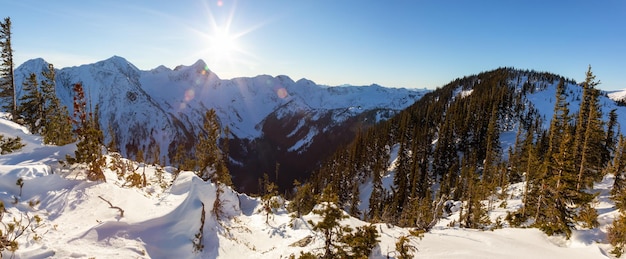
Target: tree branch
{"type": "Point", "coordinates": [113, 207]}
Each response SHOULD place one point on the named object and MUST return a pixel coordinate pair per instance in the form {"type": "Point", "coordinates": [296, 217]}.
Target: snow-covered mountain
{"type": "Point", "coordinates": [271, 119]}
{"type": "Point", "coordinates": [162, 220]}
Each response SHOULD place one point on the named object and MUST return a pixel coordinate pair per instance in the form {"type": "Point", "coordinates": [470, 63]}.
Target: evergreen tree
{"type": "Point", "coordinates": [376, 197]}
{"type": "Point", "coordinates": [616, 235]}
{"type": "Point", "coordinates": [557, 216]}
{"type": "Point", "coordinates": [618, 168]}
{"type": "Point", "coordinates": [89, 146]}
{"type": "Point", "coordinates": [400, 179]}
{"type": "Point", "coordinates": [611, 137]}
{"type": "Point", "coordinates": [360, 243]}
{"type": "Point", "coordinates": [303, 200]}
{"type": "Point", "coordinates": [181, 159]}
{"type": "Point", "coordinates": [210, 160]}
{"type": "Point", "coordinates": [32, 105]}
{"type": "Point", "coordinates": [57, 127]}
{"type": "Point", "coordinates": [404, 248]}
{"type": "Point", "coordinates": [475, 215]}
{"type": "Point", "coordinates": [7, 76]}
{"type": "Point", "coordinates": [553, 187]}
{"type": "Point", "coordinates": [9, 145]}
{"type": "Point", "coordinates": [493, 154]}
{"type": "Point", "coordinates": [591, 156]}
{"type": "Point", "coordinates": [528, 162]}
{"type": "Point", "coordinates": [329, 225]}
{"type": "Point", "coordinates": [269, 192]}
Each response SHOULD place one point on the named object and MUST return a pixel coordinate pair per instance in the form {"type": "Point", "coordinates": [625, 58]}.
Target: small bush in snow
{"type": "Point", "coordinates": [404, 249]}
{"type": "Point", "coordinates": [588, 216]}
{"type": "Point", "coordinates": [12, 230]}
{"type": "Point", "coordinates": [307, 255]}
{"type": "Point", "coordinates": [360, 243]}
{"type": "Point", "coordinates": [10, 145]}
{"type": "Point", "coordinates": [616, 235]}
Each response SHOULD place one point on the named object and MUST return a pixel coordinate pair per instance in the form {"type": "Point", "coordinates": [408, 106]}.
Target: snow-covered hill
{"type": "Point", "coordinates": [162, 219]}
{"type": "Point", "coordinates": [271, 119]}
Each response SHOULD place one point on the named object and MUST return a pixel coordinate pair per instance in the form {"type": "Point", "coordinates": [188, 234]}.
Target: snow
{"type": "Point", "coordinates": [161, 219]}
{"type": "Point", "coordinates": [304, 142]}
{"type": "Point", "coordinates": [165, 106]}
{"type": "Point", "coordinates": [617, 95]}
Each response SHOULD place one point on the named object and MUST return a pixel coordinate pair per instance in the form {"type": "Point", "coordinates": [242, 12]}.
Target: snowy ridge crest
{"type": "Point", "coordinates": [165, 107]}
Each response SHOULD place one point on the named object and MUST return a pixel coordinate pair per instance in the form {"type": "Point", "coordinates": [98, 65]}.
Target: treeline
{"type": "Point", "coordinates": [447, 147]}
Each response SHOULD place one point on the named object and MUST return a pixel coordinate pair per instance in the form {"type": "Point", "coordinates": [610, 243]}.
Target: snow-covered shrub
{"type": "Point", "coordinates": [9, 145]}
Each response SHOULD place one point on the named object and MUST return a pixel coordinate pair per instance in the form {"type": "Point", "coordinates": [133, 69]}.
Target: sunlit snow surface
{"type": "Point", "coordinates": [161, 222]}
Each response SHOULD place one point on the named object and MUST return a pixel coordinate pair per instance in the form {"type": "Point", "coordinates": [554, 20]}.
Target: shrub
{"type": "Point", "coordinates": [10, 145]}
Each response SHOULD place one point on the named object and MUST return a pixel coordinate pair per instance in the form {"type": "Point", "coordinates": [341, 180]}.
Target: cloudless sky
{"type": "Point", "coordinates": [413, 44]}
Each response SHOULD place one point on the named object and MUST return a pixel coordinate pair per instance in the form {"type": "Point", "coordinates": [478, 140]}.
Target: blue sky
{"type": "Point", "coordinates": [413, 44]}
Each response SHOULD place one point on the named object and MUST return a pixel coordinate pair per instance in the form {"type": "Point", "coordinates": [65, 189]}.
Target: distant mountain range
{"type": "Point", "coordinates": [274, 121]}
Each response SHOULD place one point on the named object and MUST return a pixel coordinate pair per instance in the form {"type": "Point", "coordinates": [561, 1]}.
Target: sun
{"type": "Point", "coordinates": [222, 41]}
{"type": "Point", "coordinates": [222, 45]}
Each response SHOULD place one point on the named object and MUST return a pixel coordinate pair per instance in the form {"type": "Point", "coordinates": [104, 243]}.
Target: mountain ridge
{"type": "Point", "coordinates": [163, 108]}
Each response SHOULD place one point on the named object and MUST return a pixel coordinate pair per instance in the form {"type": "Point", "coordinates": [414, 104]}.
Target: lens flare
{"type": "Point", "coordinates": [189, 95]}
{"type": "Point", "coordinates": [282, 93]}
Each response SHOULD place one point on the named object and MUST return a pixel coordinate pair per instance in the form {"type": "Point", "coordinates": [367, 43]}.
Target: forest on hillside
{"type": "Point", "coordinates": [448, 147]}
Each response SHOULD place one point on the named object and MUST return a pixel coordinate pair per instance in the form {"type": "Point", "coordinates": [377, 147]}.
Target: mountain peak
{"type": "Point", "coordinates": [35, 63]}
{"type": "Point", "coordinates": [200, 64]}
{"type": "Point", "coordinates": [117, 62]}
{"type": "Point", "coordinates": [116, 59]}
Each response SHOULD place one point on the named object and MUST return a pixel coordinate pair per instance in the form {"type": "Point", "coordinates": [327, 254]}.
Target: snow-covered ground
{"type": "Point", "coordinates": [161, 219]}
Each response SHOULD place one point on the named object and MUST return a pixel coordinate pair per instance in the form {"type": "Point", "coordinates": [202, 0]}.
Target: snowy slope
{"type": "Point", "coordinates": [164, 105]}
{"type": "Point", "coordinates": [160, 220]}
{"type": "Point", "coordinates": [272, 120]}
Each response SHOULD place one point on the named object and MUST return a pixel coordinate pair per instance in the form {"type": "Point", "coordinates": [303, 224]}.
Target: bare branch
{"type": "Point", "coordinates": [113, 207]}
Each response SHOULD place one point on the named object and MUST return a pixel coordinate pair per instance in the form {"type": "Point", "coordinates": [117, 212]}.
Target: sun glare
{"type": "Point", "coordinates": [223, 48]}
{"type": "Point", "coordinates": [222, 45]}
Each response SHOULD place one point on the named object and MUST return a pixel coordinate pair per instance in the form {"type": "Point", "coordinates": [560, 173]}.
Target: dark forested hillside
{"type": "Point", "coordinates": [448, 146]}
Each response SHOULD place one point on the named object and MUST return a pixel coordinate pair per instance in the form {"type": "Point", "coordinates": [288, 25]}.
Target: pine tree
{"type": "Point", "coordinates": [303, 200]}
{"type": "Point", "coordinates": [611, 138]}
{"type": "Point", "coordinates": [57, 127]}
{"type": "Point", "coordinates": [493, 155]}
{"type": "Point", "coordinates": [616, 235]}
{"type": "Point", "coordinates": [329, 225]}
{"type": "Point", "coordinates": [210, 160]}
{"type": "Point", "coordinates": [400, 179]}
{"type": "Point", "coordinates": [591, 156]}
{"type": "Point", "coordinates": [140, 158]}
{"type": "Point", "coordinates": [618, 168]}
{"type": "Point", "coordinates": [404, 248]}
{"type": "Point", "coordinates": [475, 214]}
{"type": "Point", "coordinates": [557, 216]}
{"type": "Point", "coordinates": [32, 105]}
{"type": "Point", "coordinates": [7, 76]}
{"type": "Point", "coordinates": [89, 146]}
{"type": "Point", "coordinates": [9, 145]}
{"type": "Point", "coordinates": [376, 197]}
{"type": "Point", "coordinates": [360, 243]}
{"type": "Point", "coordinates": [553, 187]}
{"type": "Point", "coordinates": [270, 191]}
